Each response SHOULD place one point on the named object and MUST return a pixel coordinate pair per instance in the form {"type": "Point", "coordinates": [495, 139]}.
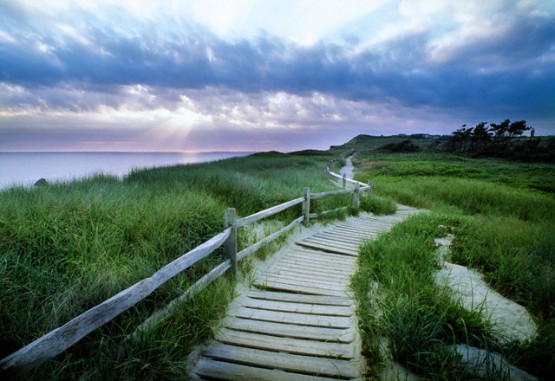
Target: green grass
{"type": "Point", "coordinates": [502, 217]}
{"type": "Point", "coordinates": [67, 247]}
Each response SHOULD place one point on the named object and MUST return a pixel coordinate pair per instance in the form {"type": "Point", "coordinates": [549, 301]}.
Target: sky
{"type": "Point", "coordinates": [257, 75]}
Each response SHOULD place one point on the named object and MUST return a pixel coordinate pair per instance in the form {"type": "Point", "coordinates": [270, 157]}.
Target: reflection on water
{"type": "Point", "coordinates": [25, 168]}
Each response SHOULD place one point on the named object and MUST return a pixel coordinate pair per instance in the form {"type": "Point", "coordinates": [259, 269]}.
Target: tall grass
{"type": "Point", "coordinates": [69, 246]}
{"type": "Point", "coordinates": [398, 300]}
{"type": "Point", "coordinates": [502, 216]}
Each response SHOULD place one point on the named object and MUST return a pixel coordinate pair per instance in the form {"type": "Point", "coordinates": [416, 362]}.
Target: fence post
{"type": "Point", "coordinates": [306, 206]}
{"type": "Point", "coordinates": [356, 195]}
{"type": "Point", "coordinates": [230, 245]}
{"type": "Point", "coordinates": [370, 185]}
{"type": "Point", "coordinates": [344, 181]}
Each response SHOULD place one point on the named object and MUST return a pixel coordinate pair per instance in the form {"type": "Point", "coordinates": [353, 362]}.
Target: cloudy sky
{"type": "Point", "coordinates": [204, 75]}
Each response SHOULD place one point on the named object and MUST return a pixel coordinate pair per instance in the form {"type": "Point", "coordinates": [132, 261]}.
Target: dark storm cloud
{"type": "Point", "coordinates": [512, 70]}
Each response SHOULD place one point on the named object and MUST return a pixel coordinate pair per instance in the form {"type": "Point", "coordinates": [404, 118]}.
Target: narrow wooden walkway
{"type": "Point", "coordinates": [297, 321]}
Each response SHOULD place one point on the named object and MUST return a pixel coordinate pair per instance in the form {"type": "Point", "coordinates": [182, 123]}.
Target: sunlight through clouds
{"type": "Point", "coordinates": [211, 73]}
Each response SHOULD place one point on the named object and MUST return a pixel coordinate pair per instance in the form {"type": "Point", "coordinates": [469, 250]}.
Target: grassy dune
{"type": "Point", "coordinates": [502, 216]}
{"type": "Point", "coordinates": [67, 247]}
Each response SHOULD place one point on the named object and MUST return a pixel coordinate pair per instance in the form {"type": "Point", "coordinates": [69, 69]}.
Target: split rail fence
{"type": "Point", "coordinates": [61, 338]}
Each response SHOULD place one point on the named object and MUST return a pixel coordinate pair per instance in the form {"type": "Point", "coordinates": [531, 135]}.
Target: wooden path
{"type": "Point", "coordinates": [297, 321]}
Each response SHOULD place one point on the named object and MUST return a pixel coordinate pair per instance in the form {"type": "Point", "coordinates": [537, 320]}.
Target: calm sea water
{"type": "Point", "coordinates": [26, 168]}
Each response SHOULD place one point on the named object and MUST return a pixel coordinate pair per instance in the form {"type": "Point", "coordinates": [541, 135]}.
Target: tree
{"type": "Point", "coordinates": [483, 140]}
{"type": "Point", "coordinates": [480, 138]}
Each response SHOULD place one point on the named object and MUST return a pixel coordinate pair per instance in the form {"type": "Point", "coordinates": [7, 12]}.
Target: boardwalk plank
{"type": "Point", "coordinates": [344, 335]}
{"type": "Point", "coordinates": [295, 268]}
{"type": "Point", "coordinates": [331, 243]}
{"type": "Point", "coordinates": [286, 344]}
{"type": "Point", "coordinates": [268, 278]}
{"type": "Point", "coordinates": [300, 298]}
{"type": "Point", "coordinates": [276, 360]}
{"type": "Point", "coordinates": [331, 249]}
{"type": "Point", "coordinates": [298, 321]}
{"type": "Point", "coordinates": [292, 318]}
{"type": "Point", "coordinates": [307, 275]}
{"type": "Point", "coordinates": [303, 308]}
{"type": "Point", "coordinates": [313, 263]}
{"type": "Point", "coordinates": [340, 237]}
{"type": "Point", "coordinates": [235, 372]}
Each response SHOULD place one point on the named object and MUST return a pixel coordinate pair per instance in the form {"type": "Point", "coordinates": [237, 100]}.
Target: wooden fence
{"type": "Point", "coordinates": [60, 339]}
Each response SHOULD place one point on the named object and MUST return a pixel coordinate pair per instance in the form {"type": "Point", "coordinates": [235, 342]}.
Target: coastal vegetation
{"type": "Point", "coordinates": [68, 246]}
{"type": "Point", "coordinates": [501, 214]}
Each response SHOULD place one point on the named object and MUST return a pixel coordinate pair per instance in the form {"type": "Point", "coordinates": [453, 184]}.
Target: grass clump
{"type": "Point", "coordinates": [398, 300]}
{"type": "Point", "coordinates": [379, 205]}
{"type": "Point", "coordinates": [501, 215]}
{"type": "Point", "coordinates": [67, 247]}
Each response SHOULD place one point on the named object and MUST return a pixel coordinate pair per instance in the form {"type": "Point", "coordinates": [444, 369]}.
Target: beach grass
{"type": "Point", "coordinates": [502, 216]}
{"type": "Point", "coordinates": [66, 247]}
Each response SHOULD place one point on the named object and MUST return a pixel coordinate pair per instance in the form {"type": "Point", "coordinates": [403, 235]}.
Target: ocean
{"type": "Point", "coordinates": [25, 168]}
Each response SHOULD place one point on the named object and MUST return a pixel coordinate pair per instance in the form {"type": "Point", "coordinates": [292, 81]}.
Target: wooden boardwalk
{"type": "Point", "coordinates": [297, 321]}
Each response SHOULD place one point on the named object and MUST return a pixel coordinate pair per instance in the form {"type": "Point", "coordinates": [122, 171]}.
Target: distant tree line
{"type": "Point", "coordinates": [503, 140]}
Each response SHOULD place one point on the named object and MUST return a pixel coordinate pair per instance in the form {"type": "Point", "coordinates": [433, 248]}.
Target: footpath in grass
{"type": "Point", "coordinates": [501, 217]}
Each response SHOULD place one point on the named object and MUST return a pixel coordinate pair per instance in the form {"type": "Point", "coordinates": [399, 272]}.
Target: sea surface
{"type": "Point", "coordinates": [25, 168]}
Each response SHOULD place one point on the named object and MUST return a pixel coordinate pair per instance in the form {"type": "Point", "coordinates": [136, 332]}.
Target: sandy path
{"type": "Point", "coordinates": [510, 321]}
{"type": "Point", "coordinates": [348, 169]}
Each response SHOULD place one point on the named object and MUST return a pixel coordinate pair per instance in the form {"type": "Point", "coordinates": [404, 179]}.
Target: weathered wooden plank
{"type": "Point", "coordinates": [311, 365]}
{"type": "Point", "coordinates": [331, 243]}
{"type": "Point", "coordinates": [251, 249]}
{"type": "Point", "coordinates": [363, 225]}
{"type": "Point", "coordinates": [333, 174]}
{"type": "Point", "coordinates": [316, 271]}
{"type": "Point", "coordinates": [348, 232]}
{"type": "Point", "coordinates": [268, 212]}
{"type": "Point", "coordinates": [340, 237]}
{"type": "Point", "coordinates": [281, 286]}
{"type": "Point", "coordinates": [329, 261]}
{"type": "Point", "coordinates": [292, 318]}
{"type": "Point", "coordinates": [343, 335]}
{"type": "Point", "coordinates": [327, 246]}
{"type": "Point", "coordinates": [267, 279]}
{"type": "Point", "coordinates": [339, 267]}
{"type": "Point", "coordinates": [307, 278]}
{"type": "Point", "coordinates": [354, 232]}
{"type": "Point", "coordinates": [305, 269]}
{"type": "Point", "coordinates": [215, 273]}
{"type": "Point", "coordinates": [321, 256]}
{"type": "Point", "coordinates": [315, 309]}
{"type": "Point", "coordinates": [310, 289]}
{"type": "Point", "coordinates": [326, 262]}
{"type": "Point", "coordinates": [300, 298]}
{"type": "Point", "coordinates": [331, 249]}
{"type": "Point", "coordinates": [306, 286]}
{"type": "Point", "coordinates": [317, 268]}
{"type": "Point", "coordinates": [313, 266]}
{"type": "Point", "coordinates": [58, 340]}
{"type": "Point", "coordinates": [219, 370]}
{"type": "Point", "coordinates": [286, 344]}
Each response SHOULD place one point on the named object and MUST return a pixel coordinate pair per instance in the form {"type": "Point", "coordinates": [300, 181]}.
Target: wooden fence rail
{"type": "Point", "coordinates": [60, 339]}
